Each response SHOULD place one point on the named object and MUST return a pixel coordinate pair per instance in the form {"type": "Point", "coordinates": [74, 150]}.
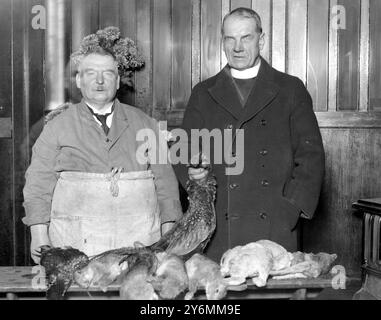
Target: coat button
{"type": "Point", "coordinates": [263, 215]}
{"type": "Point", "coordinates": [263, 122]}
{"type": "Point", "coordinates": [108, 140]}
{"type": "Point", "coordinates": [229, 127]}
{"type": "Point", "coordinates": [233, 186]}
{"type": "Point", "coordinates": [265, 183]}
{"type": "Point", "coordinates": [263, 152]}
{"type": "Point", "coordinates": [233, 154]}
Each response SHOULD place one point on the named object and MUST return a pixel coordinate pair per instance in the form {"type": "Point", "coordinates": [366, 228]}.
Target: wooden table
{"type": "Point", "coordinates": [28, 282]}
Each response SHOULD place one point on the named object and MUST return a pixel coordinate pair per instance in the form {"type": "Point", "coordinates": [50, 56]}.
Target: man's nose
{"type": "Point", "coordinates": [238, 46]}
{"type": "Point", "coordinates": [99, 78]}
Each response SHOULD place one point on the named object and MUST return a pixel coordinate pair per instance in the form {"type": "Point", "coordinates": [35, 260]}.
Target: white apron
{"type": "Point", "coordinates": [97, 212]}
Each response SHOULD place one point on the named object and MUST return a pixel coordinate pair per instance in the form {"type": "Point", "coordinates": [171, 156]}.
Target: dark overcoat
{"type": "Point", "coordinates": [283, 157]}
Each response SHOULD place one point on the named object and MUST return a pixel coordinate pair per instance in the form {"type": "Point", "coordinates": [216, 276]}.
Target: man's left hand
{"type": "Point", "coordinates": [165, 227]}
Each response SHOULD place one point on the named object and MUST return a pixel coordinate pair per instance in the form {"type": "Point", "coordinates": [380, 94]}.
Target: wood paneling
{"type": "Point", "coordinates": [297, 38]}
{"type": "Point", "coordinates": [143, 87]}
{"type": "Point", "coordinates": [375, 55]}
{"type": "Point", "coordinates": [352, 159]}
{"type": "Point", "coordinates": [317, 56]}
{"type": "Point", "coordinates": [348, 80]}
{"type": "Point", "coordinates": [240, 3]}
{"type": "Point", "coordinates": [279, 35]}
{"type": "Point", "coordinates": [108, 13]}
{"type": "Point", "coordinates": [162, 54]}
{"type": "Point", "coordinates": [210, 35]}
{"type": "Point", "coordinates": [264, 9]}
{"type": "Point", "coordinates": [182, 53]}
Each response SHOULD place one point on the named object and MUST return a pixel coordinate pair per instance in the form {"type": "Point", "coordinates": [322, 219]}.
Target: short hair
{"type": "Point", "coordinates": [244, 12]}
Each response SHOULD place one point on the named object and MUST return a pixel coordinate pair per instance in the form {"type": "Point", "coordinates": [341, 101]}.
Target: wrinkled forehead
{"type": "Point", "coordinates": [239, 25]}
{"type": "Point", "coordinates": [98, 62]}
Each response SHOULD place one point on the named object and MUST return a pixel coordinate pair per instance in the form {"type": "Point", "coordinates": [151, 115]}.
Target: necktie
{"type": "Point", "coordinates": [102, 119]}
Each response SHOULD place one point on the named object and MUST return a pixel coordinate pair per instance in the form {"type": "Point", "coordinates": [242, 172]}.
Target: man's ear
{"type": "Point", "coordinates": [78, 80]}
{"type": "Point", "coordinates": [262, 41]}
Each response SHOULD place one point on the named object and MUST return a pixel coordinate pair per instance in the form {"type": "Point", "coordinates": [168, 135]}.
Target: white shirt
{"type": "Point", "coordinates": [247, 73]}
{"type": "Point", "coordinates": [107, 109]}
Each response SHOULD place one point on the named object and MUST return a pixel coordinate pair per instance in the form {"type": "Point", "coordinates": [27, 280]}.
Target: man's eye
{"type": "Point", "coordinates": [109, 74]}
{"type": "Point", "coordinates": [90, 73]}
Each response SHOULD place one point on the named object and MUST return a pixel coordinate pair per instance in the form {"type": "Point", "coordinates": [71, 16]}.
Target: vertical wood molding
{"type": "Point", "coordinates": [210, 38]}
{"type": "Point", "coordinates": [161, 54]}
{"type": "Point", "coordinates": [297, 38]}
{"type": "Point", "coordinates": [196, 42]}
{"type": "Point", "coordinates": [109, 13]}
{"type": "Point", "coordinates": [240, 3]}
{"type": "Point", "coordinates": [317, 53]}
{"type": "Point", "coordinates": [333, 62]}
{"type": "Point", "coordinates": [143, 96]}
{"type": "Point", "coordinates": [55, 53]}
{"type": "Point", "coordinates": [364, 56]}
{"type": "Point", "coordinates": [264, 9]}
{"type": "Point", "coordinates": [181, 75]}
{"type": "Point", "coordinates": [225, 9]}
{"type": "Point", "coordinates": [279, 35]}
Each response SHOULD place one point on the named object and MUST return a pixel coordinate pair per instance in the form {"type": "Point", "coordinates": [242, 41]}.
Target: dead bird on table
{"type": "Point", "coordinates": [193, 231]}
{"type": "Point", "coordinates": [103, 269]}
{"type": "Point", "coordinates": [204, 273]}
{"type": "Point", "coordinates": [60, 265]}
{"type": "Point", "coordinates": [136, 280]}
{"type": "Point", "coordinates": [170, 278]}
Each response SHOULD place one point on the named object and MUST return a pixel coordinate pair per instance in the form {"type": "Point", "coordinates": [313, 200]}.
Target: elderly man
{"type": "Point", "coordinates": [283, 152]}
{"type": "Point", "coordinates": [85, 187]}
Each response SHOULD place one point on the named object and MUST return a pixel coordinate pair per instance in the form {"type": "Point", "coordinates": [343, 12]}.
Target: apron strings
{"type": "Point", "coordinates": [114, 178]}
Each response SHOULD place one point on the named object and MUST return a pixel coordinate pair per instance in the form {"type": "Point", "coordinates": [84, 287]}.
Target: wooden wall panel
{"type": "Point", "coordinates": [297, 38]}
{"type": "Point", "coordinates": [240, 3]}
{"type": "Point", "coordinates": [196, 42]}
{"type": "Point", "coordinates": [264, 9]}
{"type": "Point", "coordinates": [279, 35]}
{"type": "Point", "coordinates": [143, 84]}
{"type": "Point", "coordinates": [364, 57]}
{"type": "Point", "coordinates": [210, 35]}
{"type": "Point", "coordinates": [317, 53]}
{"type": "Point", "coordinates": [352, 158]}
{"type": "Point", "coordinates": [348, 79]}
{"type": "Point", "coordinates": [182, 53]}
{"type": "Point", "coordinates": [128, 29]}
{"type": "Point", "coordinates": [7, 216]}
{"type": "Point", "coordinates": [162, 54]}
{"type": "Point", "coordinates": [375, 55]}
{"type": "Point", "coordinates": [109, 11]}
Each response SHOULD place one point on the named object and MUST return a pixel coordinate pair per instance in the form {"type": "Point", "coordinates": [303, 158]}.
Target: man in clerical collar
{"type": "Point", "coordinates": [283, 152]}
{"type": "Point", "coordinates": [85, 187]}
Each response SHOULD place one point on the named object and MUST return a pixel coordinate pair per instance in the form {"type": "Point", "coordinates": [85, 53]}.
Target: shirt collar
{"type": "Point", "coordinates": [247, 73]}
{"type": "Point", "coordinates": [107, 108]}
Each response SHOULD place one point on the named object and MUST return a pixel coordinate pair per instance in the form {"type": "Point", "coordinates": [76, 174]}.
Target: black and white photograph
{"type": "Point", "coordinates": [203, 152]}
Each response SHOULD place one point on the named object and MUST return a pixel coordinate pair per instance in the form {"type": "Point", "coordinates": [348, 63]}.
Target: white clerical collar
{"type": "Point", "coordinates": [247, 73]}
{"type": "Point", "coordinates": [107, 108]}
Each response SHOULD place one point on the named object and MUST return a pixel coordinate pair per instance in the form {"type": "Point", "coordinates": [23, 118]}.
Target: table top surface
{"type": "Point", "coordinates": [32, 279]}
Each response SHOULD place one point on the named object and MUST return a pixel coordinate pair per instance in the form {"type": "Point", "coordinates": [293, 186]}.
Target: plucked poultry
{"type": "Point", "coordinates": [193, 231]}
{"type": "Point", "coordinates": [60, 265]}
{"type": "Point", "coordinates": [261, 259]}
{"type": "Point", "coordinates": [136, 280]}
{"type": "Point", "coordinates": [170, 278]}
{"type": "Point", "coordinates": [204, 273]}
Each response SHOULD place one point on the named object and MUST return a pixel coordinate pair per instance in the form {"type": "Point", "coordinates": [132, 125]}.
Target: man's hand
{"type": "Point", "coordinates": [40, 237]}
{"type": "Point", "coordinates": [199, 169]}
{"type": "Point", "coordinates": [165, 227]}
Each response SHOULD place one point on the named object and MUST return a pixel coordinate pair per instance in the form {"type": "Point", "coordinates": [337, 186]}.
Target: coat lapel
{"type": "Point", "coordinates": [119, 123]}
{"type": "Point", "coordinates": [264, 91]}
{"type": "Point", "coordinates": [225, 94]}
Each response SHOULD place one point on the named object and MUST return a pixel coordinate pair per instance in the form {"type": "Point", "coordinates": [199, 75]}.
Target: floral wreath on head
{"type": "Point", "coordinates": [123, 50]}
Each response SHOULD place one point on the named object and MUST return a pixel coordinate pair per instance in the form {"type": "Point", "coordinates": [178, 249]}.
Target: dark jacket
{"type": "Point", "coordinates": [283, 157]}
